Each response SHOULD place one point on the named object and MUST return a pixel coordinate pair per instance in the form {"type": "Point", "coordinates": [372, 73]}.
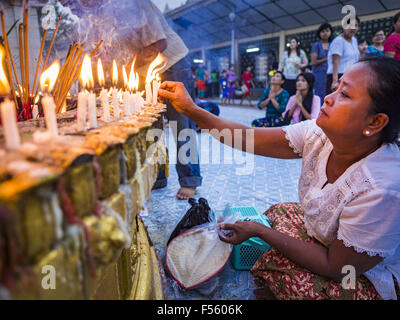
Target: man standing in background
{"type": "Point", "coordinates": [137, 27]}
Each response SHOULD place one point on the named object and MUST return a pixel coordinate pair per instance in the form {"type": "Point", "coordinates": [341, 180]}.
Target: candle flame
{"type": "Point", "coordinates": [115, 74]}
{"type": "Point", "coordinates": [36, 100]}
{"type": "Point", "coordinates": [49, 76]}
{"type": "Point", "coordinates": [4, 85]}
{"type": "Point", "coordinates": [133, 81]}
{"type": "Point", "coordinates": [100, 73]}
{"type": "Point", "coordinates": [86, 76]}
{"type": "Point", "coordinates": [125, 76]}
{"type": "Point", "coordinates": [153, 70]}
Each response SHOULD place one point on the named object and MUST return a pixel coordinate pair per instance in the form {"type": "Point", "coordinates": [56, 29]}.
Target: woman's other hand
{"type": "Point", "coordinates": [177, 95]}
{"type": "Point", "coordinates": [242, 230]}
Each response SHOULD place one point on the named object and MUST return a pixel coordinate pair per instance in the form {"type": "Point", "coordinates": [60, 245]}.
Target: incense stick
{"type": "Point", "coordinates": [21, 59]}
{"type": "Point", "coordinates": [52, 41]}
{"type": "Point", "coordinates": [26, 54]}
{"type": "Point", "coordinates": [39, 59]}
{"type": "Point", "coordinates": [96, 48]}
{"type": "Point", "coordinates": [9, 57]}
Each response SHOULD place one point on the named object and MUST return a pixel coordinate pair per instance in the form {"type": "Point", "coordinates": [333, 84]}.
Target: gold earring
{"type": "Point", "coordinates": [367, 132]}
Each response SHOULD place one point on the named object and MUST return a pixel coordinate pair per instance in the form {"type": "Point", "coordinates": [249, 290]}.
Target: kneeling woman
{"type": "Point", "coordinates": [274, 99]}
{"type": "Point", "coordinates": [349, 190]}
{"type": "Point", "coordinates": [304, 105]}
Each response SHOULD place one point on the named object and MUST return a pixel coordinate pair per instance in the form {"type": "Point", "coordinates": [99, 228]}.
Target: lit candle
{"type": "Point", "coordinates": [83, 96]}
{"type": "Point", "coordinates": [133, 83]}
{"type": "Point", "coordinates": [35, 109]}
{"type": "Point", "coordinates": [47, 81]}
{"type": "Point", "coordinates": [92, 111]}
{"type": "Point", "coordinates": [126, 95]}
{"type": "Point", "coordinates": [115, 99]}
{"type": "Point", "coordinates": [103, 93]}
{"type": "Point", "coordinates": [151, 75]}
{"type": "Point", "coordinates": [156, 86]}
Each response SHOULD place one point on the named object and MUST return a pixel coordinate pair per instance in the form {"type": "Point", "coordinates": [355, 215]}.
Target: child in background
{"type": "Point", "coordinates": [223, 86]}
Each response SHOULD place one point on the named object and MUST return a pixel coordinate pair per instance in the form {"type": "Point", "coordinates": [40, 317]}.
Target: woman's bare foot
{"type": "Point", "coordinates": [185, 193]}
{"type": "Point", "coordinates": [264, 294]}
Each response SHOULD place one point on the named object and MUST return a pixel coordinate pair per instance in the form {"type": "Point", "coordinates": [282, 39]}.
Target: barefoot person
{"type": "Point", "coordinates": [349, 190]}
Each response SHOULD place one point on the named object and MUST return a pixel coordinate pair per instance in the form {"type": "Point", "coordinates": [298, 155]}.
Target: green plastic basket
{"type": "Point", "coordinates": [244, 255]}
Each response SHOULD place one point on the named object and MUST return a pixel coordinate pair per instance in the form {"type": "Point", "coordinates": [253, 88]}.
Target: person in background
{"type": "Point", "coordinates": [247, 78]}
{"type": "Point", "coordinates": [138, 28]}
{"type": "Point", "coordinates": [274, 99]}
{"type": "Point", "coordinates": [201, 80]}
{"type": "Point", "coordinates": [319, 58]}
{"type": "Point", "coordinates": [293, 60]}
{"type": "Point", "coordinates": [362, 47]}
{"type": "Point", "coordinates": [214, 84]}
{"type": "Point", "coordinates": [304, 105]}
{"type": "Point", "coordinates": [391, 47]}
{"type": "Point", "coordinates": [232, 82]}
{"type": "Point", "coordinates": [343, 52]}
{"type": "Point", "coordinates": [376, 48]}
{"type": "Point", "coordinates": [223, 87]}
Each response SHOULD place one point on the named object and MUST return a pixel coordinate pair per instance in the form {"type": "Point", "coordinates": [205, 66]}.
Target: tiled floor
{"type": "Point", "coordinates": [268, 181]}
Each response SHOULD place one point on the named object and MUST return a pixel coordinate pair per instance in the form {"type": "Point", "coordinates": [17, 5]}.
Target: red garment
{"type": "Point", "coordinates": [201, 85]}
{"type": "Point", "coordinates": [247, 77]}
{"type": "Point", "coordinates": [289, 281]}
{"type": "Point", "coordinates": [392, 44]}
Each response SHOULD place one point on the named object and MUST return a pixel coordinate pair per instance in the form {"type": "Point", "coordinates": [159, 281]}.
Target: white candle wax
{"type": "Point", "coordinates": [9, 121]}
{"type": "Point", "coordinates": [92, 110]}
{"type": "Point", "coordinates": [82, 109]}
{"type": "Point", "coordinates": [132, 102]}
{"type": "Point", "coordinates": [140, 101]}
{"type": "Point", "coordinates": [49, 108]}
{"type": "Point", "coordinates": [115, 103]}
{"type": "Point", "coordinates": [35, 111]}
{"type": "Point", "coordinates": [148, 93]}
{"type": "Point", "coordinates": [105, 105]}
{"type": "Point", "coordinates": [156, 86]}
{"type": "Point", "coordinates": [127, 103]}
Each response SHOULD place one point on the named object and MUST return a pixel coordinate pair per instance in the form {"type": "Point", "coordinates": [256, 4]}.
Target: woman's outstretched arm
{"type": "Point", "coordinates": [270, 142]}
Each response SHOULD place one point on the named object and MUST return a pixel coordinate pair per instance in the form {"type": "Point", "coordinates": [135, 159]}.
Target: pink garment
{"type": "Point", "coordinates": [315, 108]}
{"type": "Point", "coordinates": [392, 44]}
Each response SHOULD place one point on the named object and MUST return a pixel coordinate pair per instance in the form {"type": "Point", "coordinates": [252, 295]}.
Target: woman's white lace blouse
{"type": "Point", "coordinates": [361, 208]}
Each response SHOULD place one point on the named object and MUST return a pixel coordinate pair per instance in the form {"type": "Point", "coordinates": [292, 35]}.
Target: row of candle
{"type": "Point", "coordinates": [132, 100]}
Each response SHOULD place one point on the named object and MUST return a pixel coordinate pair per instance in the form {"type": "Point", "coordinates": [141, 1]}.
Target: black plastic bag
{"type": "Point", "coordinates": [198, 214]}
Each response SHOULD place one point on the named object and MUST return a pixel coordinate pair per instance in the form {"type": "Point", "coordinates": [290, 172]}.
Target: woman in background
{"type": "Point", "coordinates": [231, 76]}
{"type": "Point", "coordinates": [201, 77]}
{"type": "Point", "coordinates": [376, 48]}
{"type": "Point", "coordinates": [392, 44]}
{"type": "Point", "coordinates": [293, 60]}
{"type": "Point", "coordinates": [274, 99]}
{"type": "Point", "coordinates": [304, 105]}
{"type": "Point", "coordinates": [247, 78]}
{"type": "Point", "coordinates": [319, 54]}
{"type": "Point", "coordinates": [343, 52]}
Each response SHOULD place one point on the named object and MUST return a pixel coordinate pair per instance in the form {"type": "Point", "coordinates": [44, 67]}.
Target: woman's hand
{"type": "Point", "coordinates": [299, 99]}
{"type": "Point", "coordinates": [242, 230]}
{"type": "Point", "coordinates": [177, 95]}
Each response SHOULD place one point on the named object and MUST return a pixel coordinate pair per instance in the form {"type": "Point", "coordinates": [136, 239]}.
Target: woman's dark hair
{"type": "Point", "coordinates": [324, 26]}
{"type": "Point", "coordinates": [282, 76]}
{"type": "Point", "coordinates": [385, 94]}
{"type": "Point", "coordinates": [308, 99]}
{"type": "Point", "coordinates": [297, 48]}
{"type": "Point", "coordinates": [394, 20]}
